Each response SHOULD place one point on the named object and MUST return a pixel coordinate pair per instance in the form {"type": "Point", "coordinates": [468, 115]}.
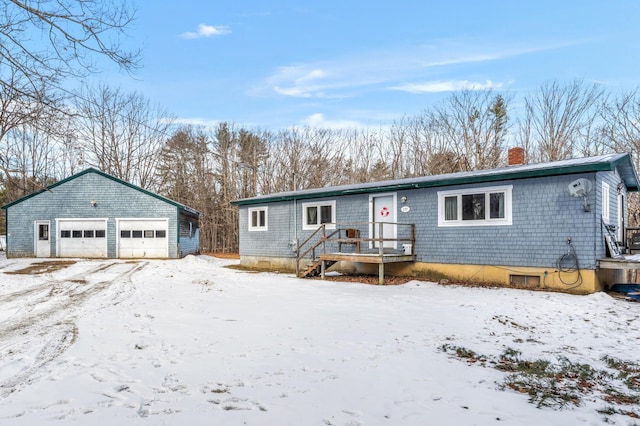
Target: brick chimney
{"type": "Point", "coordinates": [516, 156]}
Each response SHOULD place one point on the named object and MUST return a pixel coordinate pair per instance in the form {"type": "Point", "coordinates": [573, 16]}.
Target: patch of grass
{"type": "Point", "coordinates": [562, 383]}
{"type": "Point", "coordinates": [470, 356]}
{"type": "Point", "coordinates": [430, 275]}
{"type": "Point", "coordinates": [42, 267]}
{"type": "Point", "coordinates": [255, 269]}
{"type": "Point", "coordinates": [221, 255]}
{"type": "Point", "coordinates": [628, 371]}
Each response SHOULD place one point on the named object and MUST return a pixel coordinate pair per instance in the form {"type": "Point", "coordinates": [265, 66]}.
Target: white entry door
{"type": "Point", "coordinates": [383, 211]}
{"type": "Point", "coordinates": [42, 241]}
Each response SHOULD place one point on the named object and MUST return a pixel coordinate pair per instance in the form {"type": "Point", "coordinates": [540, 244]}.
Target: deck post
{"type": "Point", "coordinates": [323, 268]}
{"type": "Point", "coordinates": [381, 273]}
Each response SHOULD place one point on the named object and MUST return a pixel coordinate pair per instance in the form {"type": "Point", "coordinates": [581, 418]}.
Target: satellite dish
{"type": "Point", "coordinates": [580, 187]}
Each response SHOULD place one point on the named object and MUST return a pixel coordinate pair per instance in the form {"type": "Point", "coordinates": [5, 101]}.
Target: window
{"type": "Point", "coordinates": [605, 202]}
{"type": "Point", "coordinates": [148, 233]}
{"type": "Point", "coordinates": [65, 234]}
{"type": "Point", "coordinates": [99, 233]}
{"type": "Point", "coordinates": [125, 234]}
{"type": "Point", "coordinates": [161, 233]}
{"type": "Point", "coordinates": [258, 219]}
{"type": "Point", "coordinates": [315, 214]}
{"type": "Point", "coordinates": [76, 234]}
{"type": "Point", "coordinates": [43, 232]}
{"type": "Point", "coordinates": [136, 234]}
{"type": "Point", "coordinates": [88, 233]}
{"type": "Point", "coordinates": [475, 207]}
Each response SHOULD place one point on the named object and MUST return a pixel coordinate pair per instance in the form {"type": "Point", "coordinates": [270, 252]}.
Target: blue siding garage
{"type": "Point", "coordinates": [95, 215]}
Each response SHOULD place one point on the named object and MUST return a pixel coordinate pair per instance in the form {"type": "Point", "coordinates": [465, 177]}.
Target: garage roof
{"type": "Point", "coordinates": [113, 178]}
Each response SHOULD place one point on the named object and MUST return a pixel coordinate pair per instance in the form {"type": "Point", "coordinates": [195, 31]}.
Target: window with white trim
{"type": "Point", "coordinates": [489, 206]}
{"type": "Point", "coordinates": [258, 219]}
{"type": "Point", "coordinates": [605, 202]}
{"type": "Point", "coordinates": [315, 214]}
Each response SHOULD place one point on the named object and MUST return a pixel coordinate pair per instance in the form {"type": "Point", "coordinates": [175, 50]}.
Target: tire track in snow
{"type": "Point", "coordinates": [43, 326]}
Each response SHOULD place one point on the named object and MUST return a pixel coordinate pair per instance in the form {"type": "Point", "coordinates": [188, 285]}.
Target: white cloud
{"type": "Point", "coordinates": [346, 76]}
{"type": "Point", "coordinates": [447, 86]}
{"type": "Point", "coordinates": [295, 92]}
{"type": "Point", "coordinates": [318, 120]}
{"type": "Point", "coordinates": [206, 31]}
{"type": "Point", "coordinates": [197, 122]}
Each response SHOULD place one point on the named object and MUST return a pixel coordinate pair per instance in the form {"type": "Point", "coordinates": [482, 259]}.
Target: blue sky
{"type": "Point", "coordinates": [333, 63]}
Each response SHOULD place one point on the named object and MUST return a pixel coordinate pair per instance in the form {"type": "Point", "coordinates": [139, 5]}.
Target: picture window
{"type": "Point", "coordinates": [475, 207]}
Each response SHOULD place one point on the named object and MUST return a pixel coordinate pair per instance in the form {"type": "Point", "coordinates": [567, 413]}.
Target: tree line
{"type": "Point", "coordinates": [125, 135]}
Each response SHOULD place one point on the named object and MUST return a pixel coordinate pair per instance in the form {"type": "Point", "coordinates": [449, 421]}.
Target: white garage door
{"type": "Point", "coordinates": [143, 238]}
{"type": "Point", "coordinates": [82, 237]}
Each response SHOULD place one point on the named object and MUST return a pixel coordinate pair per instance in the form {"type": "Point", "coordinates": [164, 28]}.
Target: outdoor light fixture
{"type": "Point", "coordinates": [403, 199]}
{"type": "Point", "coordinates": [94, 203]}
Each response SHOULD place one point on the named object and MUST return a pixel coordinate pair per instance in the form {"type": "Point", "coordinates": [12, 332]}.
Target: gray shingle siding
{"type": "Point", "coordinates": [71, 199]}
{"type": "Point", "coordinates": [544, 215]}
{"type": "Point", "coordinates": [190, 245]}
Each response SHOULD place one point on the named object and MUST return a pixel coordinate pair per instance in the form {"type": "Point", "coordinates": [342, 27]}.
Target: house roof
{"type": "Point", "coordinates": [608, 162]}
{"type": "Point", "coordinates": [113, 178]}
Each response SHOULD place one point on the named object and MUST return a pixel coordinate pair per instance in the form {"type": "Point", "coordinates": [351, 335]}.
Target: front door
{"type": "Point", "coordinates": [42, 243]}
{"type": "Point", "coordinates": [383, 214]}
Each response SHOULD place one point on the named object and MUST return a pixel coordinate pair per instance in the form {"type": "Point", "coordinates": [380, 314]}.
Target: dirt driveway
{"type": "Point", "coordinates": [41, 301]}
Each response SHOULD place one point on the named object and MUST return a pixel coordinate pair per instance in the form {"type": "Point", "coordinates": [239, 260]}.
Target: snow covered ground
{"type": "Point", "coordinates": [189, 342]}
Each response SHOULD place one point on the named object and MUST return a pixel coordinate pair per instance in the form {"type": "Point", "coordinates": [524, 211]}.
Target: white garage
{"type": "Point", "coordinates": [138, 238]}
{"type": "Point", "coordinates": [82, 237]}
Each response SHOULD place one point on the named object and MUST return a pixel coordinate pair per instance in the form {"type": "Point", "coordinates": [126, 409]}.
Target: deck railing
{"type": "Point", "coordinates": [357, 237]}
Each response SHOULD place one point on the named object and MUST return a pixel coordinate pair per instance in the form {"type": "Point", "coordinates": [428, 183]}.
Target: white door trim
{"type": "Point", "coordinates": [105, 247]}
{"type": "Point", "coordinates": [41, 248]}
{"type": "Point", "coordinates": [392, 218]}
{"type": "Point", "coordinates": [119, 221]}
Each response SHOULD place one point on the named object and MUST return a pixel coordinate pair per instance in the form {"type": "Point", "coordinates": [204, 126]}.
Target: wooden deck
{"type": "Point", "coordinates": [374, 250]}
{"type": "Point", "coordinates": [375, 258]}
{"type": "Point", "coordinates": [369, 257]}
{"type": "Point", "coordinates": [625, 262]}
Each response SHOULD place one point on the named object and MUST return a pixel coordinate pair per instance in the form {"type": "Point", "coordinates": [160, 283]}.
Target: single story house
{"type": "Point", "coordinates": [95, 215]}
{"type": "Point", "coordinates": [548, 225]}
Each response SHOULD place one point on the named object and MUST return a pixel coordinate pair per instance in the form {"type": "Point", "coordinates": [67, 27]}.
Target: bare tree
{"type": "Point", "coordinates": [45, 41]}
{"type": "Point", "coordinates": [559, 118]}
{"type": "Point", "coordinates": [621, 133]}
{"type": "Point", "coordinates": [474, 125]}
{"type": "Point", "coordinates": [122, 133]}
{"type": "Point", "coordinates": [24, 115]}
